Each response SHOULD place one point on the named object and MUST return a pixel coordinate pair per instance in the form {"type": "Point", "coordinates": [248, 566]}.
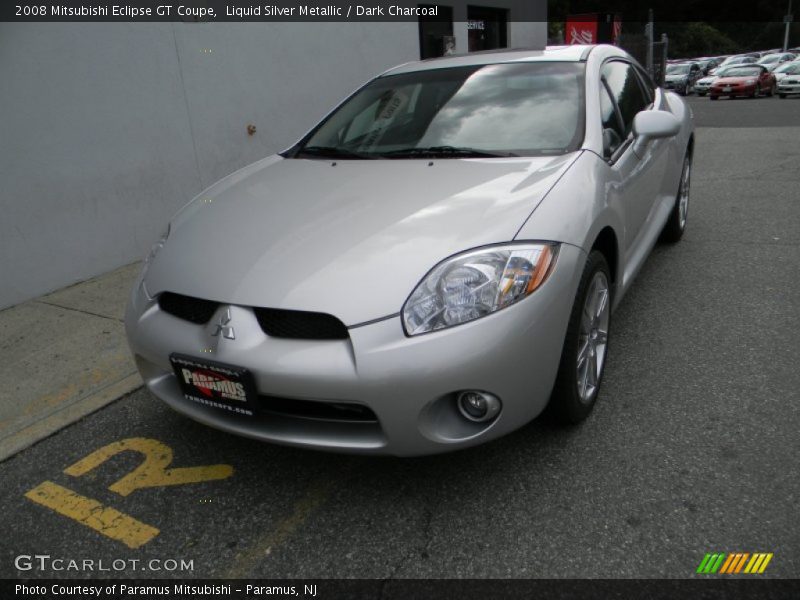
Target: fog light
{"type": "Point", "coordinates": [478, 406]}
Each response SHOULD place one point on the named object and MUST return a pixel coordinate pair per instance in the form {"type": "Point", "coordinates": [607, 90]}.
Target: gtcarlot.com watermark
{"type": "Point", "coordinates": [47, 563]}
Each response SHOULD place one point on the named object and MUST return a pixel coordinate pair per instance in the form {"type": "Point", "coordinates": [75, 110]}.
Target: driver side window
{"type": "Point", "coordinates": [623, 83]}
{"type": "Point", "coordinates": [613, 131]}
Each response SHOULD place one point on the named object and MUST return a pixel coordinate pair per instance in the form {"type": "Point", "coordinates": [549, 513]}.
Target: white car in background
{"type": "Point", "coordinates": [789, 68]}
{"type": "Point", "coordinates": [701, 86]}
{"type": "Point", "coordinates": [740, 59]}
{"type": "Point", "coordinates": [776, 58]}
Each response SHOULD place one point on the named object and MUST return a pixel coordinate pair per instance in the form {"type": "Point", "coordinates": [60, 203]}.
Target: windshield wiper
{"type": "Point", "coordinates": [445, 151]}
{"type": "Point", "coordinates": [332, 152]}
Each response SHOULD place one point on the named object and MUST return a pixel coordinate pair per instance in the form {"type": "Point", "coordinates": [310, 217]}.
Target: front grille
{"type": "Point", "coordinates": [300, 325]}
{"type": "Point", "coordinates": [309, 409]}
{"type": "Point", "coordinates": [195, 310]}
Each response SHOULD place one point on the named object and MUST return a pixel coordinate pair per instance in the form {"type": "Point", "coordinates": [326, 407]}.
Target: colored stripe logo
{"type": "Point", "coordinates": [733, 563]}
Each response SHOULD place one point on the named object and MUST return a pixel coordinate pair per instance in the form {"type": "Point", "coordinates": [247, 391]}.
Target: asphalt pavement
{"type": "Point", "coordinates": [692, 448]}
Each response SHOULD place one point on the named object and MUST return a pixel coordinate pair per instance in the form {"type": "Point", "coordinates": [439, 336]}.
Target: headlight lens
{"type": "Point", "coordinates": [750, 81]}
{"type": "Point", "coordinates": [155, 249]}
{"type": "Point", "coordinates": [474, 284]}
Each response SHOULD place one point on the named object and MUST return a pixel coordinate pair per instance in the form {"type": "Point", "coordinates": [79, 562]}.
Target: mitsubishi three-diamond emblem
{"type": "Point", "coordinates": [224, 328]}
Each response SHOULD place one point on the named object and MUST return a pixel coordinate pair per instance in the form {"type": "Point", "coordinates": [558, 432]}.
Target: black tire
{"type": "Point", "coordinates": [565, 404]}
{"type": "Point", "coordinates": [675, 225]}
{"type": "Point", "coordinates": [713, 97]}
{"type": "Point", "coordinates": [782, 96]}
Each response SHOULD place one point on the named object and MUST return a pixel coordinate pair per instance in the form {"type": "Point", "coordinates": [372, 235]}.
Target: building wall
{"type": "Point", "coordinates": [107, 129]}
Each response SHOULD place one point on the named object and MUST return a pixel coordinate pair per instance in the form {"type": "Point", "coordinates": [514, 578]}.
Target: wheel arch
{"type": "Point", "coordinates": [607, 244]}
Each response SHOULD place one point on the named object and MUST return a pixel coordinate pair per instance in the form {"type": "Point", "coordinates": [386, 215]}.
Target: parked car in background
{"type": "Point", "coordinates": [707, 63]}
{"type": "Point", "coordinates": [702, 85]}
{"type": "Point", "coordinates": [739, 59]}
{"type": "Point", "coordinates": [744, 80]}
{"type": "Point", "coordinates": [681, 77]}
{"type": "Point", "coordinates": [776, 59]}
{"type": "Point", "coordinates": [789, 85]}
{"type": "Point", "coordinates": [788, 68]}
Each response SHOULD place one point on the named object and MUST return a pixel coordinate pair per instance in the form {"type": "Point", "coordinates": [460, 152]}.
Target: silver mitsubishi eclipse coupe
{"type": "Point", "coordinates": [430, 266]}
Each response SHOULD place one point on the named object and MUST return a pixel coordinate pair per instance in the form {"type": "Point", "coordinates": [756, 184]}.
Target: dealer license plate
{"type": "Point", "coordinates": [215, 384]}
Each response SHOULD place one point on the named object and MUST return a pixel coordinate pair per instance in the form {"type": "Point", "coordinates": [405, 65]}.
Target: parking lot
{"type": "Point", "coordinates": [693, 447]}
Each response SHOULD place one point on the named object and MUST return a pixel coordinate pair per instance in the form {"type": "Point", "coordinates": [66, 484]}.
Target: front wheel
{"type": "Point", "coordinates": [714, 97]}
{"type": "Point", "coordinates": [782, 96]}
{"type": "Point", "coordinates": [676, 224]}
{"type": "Point", "coordinates": [583, 358]}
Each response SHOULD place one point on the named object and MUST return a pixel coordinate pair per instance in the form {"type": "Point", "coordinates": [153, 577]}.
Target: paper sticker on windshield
{"type": "Point", "coordinates": [391, 103]}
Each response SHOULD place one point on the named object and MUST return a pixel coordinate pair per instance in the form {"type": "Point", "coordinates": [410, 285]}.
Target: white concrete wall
{"type": "Point", "coordinates": [107, 129]}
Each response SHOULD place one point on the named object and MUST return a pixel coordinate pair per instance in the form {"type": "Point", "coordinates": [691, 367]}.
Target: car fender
{"type": "Point", "coordinates": [577, 208]}
{"type": "Point", "coordinates": [680, 143]}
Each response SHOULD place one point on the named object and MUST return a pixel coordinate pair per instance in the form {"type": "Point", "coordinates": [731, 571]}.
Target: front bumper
{"type": "Point", "coordinates": [702, 88]}
{"type": "Point", "coordinates": [679, 85]}
{"type": "Point", "coordinates": [733, 90]}
{"type": "Point", "coordinates": [789, 88]}
{"type": "Point", "coordinates": [408, 383]}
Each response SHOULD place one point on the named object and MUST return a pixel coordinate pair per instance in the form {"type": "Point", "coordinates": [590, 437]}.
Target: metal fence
{"type": "Point", "coordinates": [636, 45]}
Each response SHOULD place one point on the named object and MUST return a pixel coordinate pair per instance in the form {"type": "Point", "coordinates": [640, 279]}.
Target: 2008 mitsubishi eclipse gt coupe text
{"type": "Point", "coordinates": [428, 267]}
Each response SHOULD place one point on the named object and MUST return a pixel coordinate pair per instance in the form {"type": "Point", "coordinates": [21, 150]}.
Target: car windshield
{"type": "Point", "coordinates": [723, 71]}
{"type": "Point", "coordinates": [735, 60]}
{"type": "Point", "coordinates": [677, 69]}
{"type": "Point", "coordinates": [770, 58]}
{"type": "Point", "coordinates": [482, 110]}
{"type": "Point", "coordinates": [789, 68]}
{"type": "Point", "coordinates": [743, 72]}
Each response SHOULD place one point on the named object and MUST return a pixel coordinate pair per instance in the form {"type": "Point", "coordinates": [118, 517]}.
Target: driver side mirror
{"type": "Point", "coordinates": [651, 125]}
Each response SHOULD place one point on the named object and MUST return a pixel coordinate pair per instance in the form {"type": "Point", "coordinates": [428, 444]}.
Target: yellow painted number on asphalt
{"type": "Point", "coordinates": [153, 472]}
{"type": "Point", "coordinates": [108, 521]}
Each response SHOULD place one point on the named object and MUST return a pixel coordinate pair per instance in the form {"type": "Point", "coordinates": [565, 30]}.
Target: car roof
{"type": "Point", "coordinates": [574, 53]}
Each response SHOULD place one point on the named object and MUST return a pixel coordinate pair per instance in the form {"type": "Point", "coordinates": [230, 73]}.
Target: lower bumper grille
{"type": "Point", "coordinates": [323, 411]}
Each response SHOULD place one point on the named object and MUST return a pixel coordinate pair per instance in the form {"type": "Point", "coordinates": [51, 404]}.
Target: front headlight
{"type": "Point", "coordinates": [750, 81]}
{"type": "Point", "coordinates": [155, 249]}
{"type": "Point", "coordinates": [472, 285]}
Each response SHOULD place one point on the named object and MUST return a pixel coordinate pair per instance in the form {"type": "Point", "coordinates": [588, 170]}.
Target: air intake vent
{"type": "Point", "coordinates": [190, 309]}
{"type": "Point", "coordinates": [300, 325]}
{"type": "Point", "coordinates": [323, 411]}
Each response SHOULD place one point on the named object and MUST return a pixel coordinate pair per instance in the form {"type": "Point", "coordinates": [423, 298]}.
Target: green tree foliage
{"type": "Point", "coordinates": [699, 39]}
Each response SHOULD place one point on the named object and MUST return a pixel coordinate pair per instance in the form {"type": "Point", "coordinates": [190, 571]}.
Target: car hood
{"type": "Point", "coordinates": [728, 80]}
{"type": "Point", "coordinates": [706, 80]}
{"type": "Point", "coordinates": [351, 238]}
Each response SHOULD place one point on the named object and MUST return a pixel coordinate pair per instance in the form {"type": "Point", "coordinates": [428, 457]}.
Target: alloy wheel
{"type": "Point", "coordinates": [683, 198]}
{"type": "Point", "coordinates": [593, 337]}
